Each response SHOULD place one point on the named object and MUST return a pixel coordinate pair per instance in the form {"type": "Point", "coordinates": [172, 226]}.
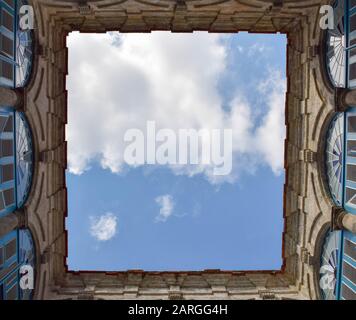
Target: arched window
{"type": "Point", "coordinates": [329, 266]}
{"type": "Point", "coordinates": [7, 162]}
{"type": "Point", "coordinates": [23, 52]}
{"type": "Point", "coordinates": [341, 45]}
{"type": "Point", "coordinates": [338, 260]}
{"type": "Point", "coordinates": [24, 159]}
{"type": "Point", "coordinates": [335, 47]}
{"type": "Point", "coordinates": [334, 158]}
{"type": "Point", "coordinates": [16, 161]}
{"type": "Point", "coordinates": [17, 251]}
{"type": "Point", "coordinates": [15, 45]}
{"type": "Point", "coordinates": [350, 162]}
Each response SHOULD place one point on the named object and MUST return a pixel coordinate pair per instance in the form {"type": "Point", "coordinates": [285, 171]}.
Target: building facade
{"type": "Point", "coordinates": [319, 239]}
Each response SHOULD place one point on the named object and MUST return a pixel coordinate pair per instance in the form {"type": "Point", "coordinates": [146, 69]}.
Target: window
{"type": "Point", "coordinates": [10, 3]}
{"type": "Point", "coordinates": [351, 43]}
{"type": "Point", "coordinates": [6, 46]}
{"type": "Point", "coordinates": [7, 28]}
{"type": "Point", "coordinates": [7, 20]}
{"type": "Point", "coordinates": [11, 293]}
{"type": "Point", "coordinates": [341, 45]}
{"type": "Point", "coordinates": [15, 46]}
{"type": "Point", "coordinates": [13, 194]}
{"type": "Point", "coordinates": [16, 249]}
{"type": "Point", "coordinates": [27, 257]}
{"type": "Point", "coordinates": [335, 45]}
{"type": "Point", "coordinates": [348, 272]}
{"type": "Point", "coordinates": [7, 173]}
{"type": "Point", "coordinates": [8, 250]}
{"type": "Point", "coordinates": [7, 148]}
{"type": "Point", "coordinates": [24, 161]}
{"type": "Point", "coordinates": [11, 286]}
{"type": "Point", "coordinates": [7, 159]}
{"type": "Point", "coordinates": [334, 156]}
{"type": "Point", "coordinates": [350, 170]}
{"type": "Point", "coordinates": [27, 247]}
{"type": "Point", "coordinates": [342, 189]}
{"type": "Point", "coordinates": [338, 264]}
{"type": "Point", "coordinates": [329, 265]}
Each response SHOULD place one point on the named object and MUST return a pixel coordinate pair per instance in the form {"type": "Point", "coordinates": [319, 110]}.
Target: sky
{"type": "Point", "coordinates": [169, 216]}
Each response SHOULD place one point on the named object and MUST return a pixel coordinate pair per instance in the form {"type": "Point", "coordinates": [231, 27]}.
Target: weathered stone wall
{"type": "Point", "coordinates": [309, 108]}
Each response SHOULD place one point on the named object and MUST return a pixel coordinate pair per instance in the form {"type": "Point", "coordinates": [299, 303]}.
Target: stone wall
{"type": "Point", "coordinates": [309, 108]}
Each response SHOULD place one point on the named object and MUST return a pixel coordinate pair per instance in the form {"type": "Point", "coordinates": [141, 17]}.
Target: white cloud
{"type": "Point", "coordinates": [270, 136]}
{"type": "Point", "coordinates": [119, 82]}
{"type": "Point", "coordinates": [103, 228]}
{"type": "Point", "coordinates": [257, 48]}
{"type": "Point", "coordinates": [166, 205]}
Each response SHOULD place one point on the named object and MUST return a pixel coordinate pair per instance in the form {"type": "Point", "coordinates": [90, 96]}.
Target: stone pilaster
{"type": "Point", "coordinates": [12, 221]}
{"type": "Point", "coordinates": [9, 98]}
{"type": "Point", "coordinates": [344, 98]}
{"type": "Point", "coordinates": [341, 220]}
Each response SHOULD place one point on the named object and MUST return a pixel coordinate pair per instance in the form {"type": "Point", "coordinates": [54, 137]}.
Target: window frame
{"type": "Point", "coordinates": [4, 241]}
{"type": "Point", "coordinates": [10, 184]}
{"type": "Point", "coordinates": [347, 236]}
{"type": "Point", "coordinates": [11, 83]}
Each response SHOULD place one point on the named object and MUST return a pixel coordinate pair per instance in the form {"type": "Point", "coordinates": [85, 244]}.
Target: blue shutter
{"type": "Point", "coordinates": [9, 258]}
{"type": "Point", "coordinates": [350, 162]}
{"type": "Point", "coordinates": [7, 162]}
{"type": "Point", "coordinates": [348, 267]}
{"type": "Point", "coordinates": [21, 254]}
{"type": "Point", "coordinates": [9, 283]}
{"type": "Point", "coordinates": [10, 286]}
{"type": "Point", "coordinates": [7, 40]}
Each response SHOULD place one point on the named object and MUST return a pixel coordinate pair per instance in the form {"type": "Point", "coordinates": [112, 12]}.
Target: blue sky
{"type": "Point", "coordinates": [155, 217]}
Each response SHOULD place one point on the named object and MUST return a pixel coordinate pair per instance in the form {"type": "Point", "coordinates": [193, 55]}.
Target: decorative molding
{"type": "Point", "coordinates": [313, 51]}
{"type": "Point", "coordinates": [308, 156]}
{"type": "Point", "coordinates": [84, 8]}
{"type": "Point", "coordinates": [267, 295]}
{"type": "Point", "coordinates": [306, 257]}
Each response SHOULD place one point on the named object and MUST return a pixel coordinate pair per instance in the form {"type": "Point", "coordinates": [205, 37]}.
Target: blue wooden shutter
{"type": "Point", "coordinates": [7, 43]}
{"type": "Point", "coordinates": [7, 162]}
{"type": "Point", "coordinates": [348, 267]}
{"type": "Point", "coordinates": [9, 250]}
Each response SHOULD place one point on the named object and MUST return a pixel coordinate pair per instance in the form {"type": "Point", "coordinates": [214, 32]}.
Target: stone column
{"type": "Point", "coordinates": [342, 220]}
{"type": "Point", "coordinates": [344, 98]}
{"type": "Point", "coordinates": [350, 98]}
{"type": "Point", "coordinates": [9, 98]}
{"type": "Point", "coordinates": [10, 222]}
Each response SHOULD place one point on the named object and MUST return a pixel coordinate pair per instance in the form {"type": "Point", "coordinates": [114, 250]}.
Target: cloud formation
{"type": "Point", "coordinates": [103, 228]}
{"type": "Point", "coordinates": [120, 82]}
{"type": "Point", "coordinates": [166, 205]}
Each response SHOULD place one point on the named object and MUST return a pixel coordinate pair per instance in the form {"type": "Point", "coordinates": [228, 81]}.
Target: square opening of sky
{"type": "Point", "coordinates": [175, 217]}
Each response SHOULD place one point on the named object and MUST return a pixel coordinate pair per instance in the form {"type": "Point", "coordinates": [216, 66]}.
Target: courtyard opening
{"type": "Point", "coordinates": [175, 151]}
